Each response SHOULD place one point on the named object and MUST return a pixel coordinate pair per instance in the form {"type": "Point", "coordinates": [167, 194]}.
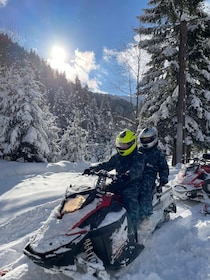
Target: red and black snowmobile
{"type": "Point", "coordinates": [90, 232]}
{"type": "Point", "coordinates": [193, 180]}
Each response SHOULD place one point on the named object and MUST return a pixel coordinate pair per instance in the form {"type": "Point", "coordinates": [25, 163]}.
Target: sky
{"type": "Point", "coordinates": [30, 191]}
{"type": "Point", "coordinates": [80, 30]}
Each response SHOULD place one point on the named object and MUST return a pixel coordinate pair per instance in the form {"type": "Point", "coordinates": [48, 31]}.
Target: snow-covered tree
{"type": "Point", "coordinates": [59, 108]}
{"type": "Point", "coordinates": [90, 120]}
{"type": "Point", "coordinates": [106, 131]}
{"type": "Point", "coordinates": [73, 142]}
{"type": "Point", "coordinates": [162, 27]}
{"type": "Point", "coordinates": [28, 131]}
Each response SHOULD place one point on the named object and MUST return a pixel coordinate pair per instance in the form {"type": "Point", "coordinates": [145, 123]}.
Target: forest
{"type": "Point", "coordinates": [44, 117]}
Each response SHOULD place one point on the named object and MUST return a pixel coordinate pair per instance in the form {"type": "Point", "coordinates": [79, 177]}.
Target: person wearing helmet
{"type": "Point", "coordinates": [156, 167]}
{"type": "Point", "coordinates": [129, 165]}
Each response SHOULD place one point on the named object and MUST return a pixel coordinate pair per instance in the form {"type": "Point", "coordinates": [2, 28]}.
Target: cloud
{"type": "Point", "coordinates": [127, 67]}
{"type": "Point", "coordinates": [82, 65]}
{"type": "Point", "coordinates": [131, 57]}
{"type": "Point", "coordinates": [3, 3]}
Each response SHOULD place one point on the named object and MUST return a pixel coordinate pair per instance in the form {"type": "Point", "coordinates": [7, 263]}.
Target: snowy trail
{"type": "Point", "coordinates": [17, 231]}
{"type": "Point", "coordinates": [180, 249]}
{"type": "Point", "coordinates": [181, 234]}
{"type": "Point", "coordinates": [28, 222]}
{"type": "Point", "coordinates": [31, 220]}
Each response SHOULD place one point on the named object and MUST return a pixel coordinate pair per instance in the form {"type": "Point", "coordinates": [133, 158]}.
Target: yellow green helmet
{"type": "Point", "coordinates": [126, 142]}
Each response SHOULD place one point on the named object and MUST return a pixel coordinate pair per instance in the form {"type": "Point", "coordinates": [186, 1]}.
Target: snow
{"type": "Point", "coordinates": [180, 249]}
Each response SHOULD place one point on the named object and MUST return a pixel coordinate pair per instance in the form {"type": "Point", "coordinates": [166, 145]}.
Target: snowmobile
{"type": "Point", "coordinates": [193, 181]}
{"type": "Point", "coordinates": [91, 232]}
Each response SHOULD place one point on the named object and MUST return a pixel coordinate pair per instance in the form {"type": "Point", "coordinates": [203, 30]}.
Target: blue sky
{"type": "Point", "coordinates": [80, 28]}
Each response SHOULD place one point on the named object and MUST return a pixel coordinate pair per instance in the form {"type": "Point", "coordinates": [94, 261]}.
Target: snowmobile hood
{"type": "Point", "coordinates": [58, 232]}
{"type": "Point", "coordinates": [55, 232]}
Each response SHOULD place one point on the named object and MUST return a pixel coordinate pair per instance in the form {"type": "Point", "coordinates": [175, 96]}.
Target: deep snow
{"type": "Point", "coordinates": [180, 249]}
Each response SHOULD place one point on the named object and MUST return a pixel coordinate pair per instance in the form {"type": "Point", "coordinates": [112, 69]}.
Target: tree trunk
{"type": "Point", "coordinates": [174, 161]}
{"type": "Point", "coordinates": [180, 141]}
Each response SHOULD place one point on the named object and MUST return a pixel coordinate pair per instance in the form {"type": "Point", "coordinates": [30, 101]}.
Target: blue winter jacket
{"type": "Point", "coordinates": [155, 165]}
{"type": "Point", "coordinates": [132, 164]}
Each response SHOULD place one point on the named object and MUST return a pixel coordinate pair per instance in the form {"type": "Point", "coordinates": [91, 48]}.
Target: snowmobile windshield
{"type": "Point", "coordinates": [191, 168]}
{"type": "Point", "coordinates": [73, 204]}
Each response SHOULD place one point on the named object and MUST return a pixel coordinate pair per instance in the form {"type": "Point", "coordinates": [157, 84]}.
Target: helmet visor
{"type": "Point", "coordinates": [146, 140]}
{"type": "Point", "coordinates": [124, 146]}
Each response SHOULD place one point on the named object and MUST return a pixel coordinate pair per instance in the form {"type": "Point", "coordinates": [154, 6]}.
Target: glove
{"type": "Point", "coordinates": [113, 186]}
{"type": "Point", "coordinates": [163, 181]}
{"type": "Point", "coordinates": [87, 171]}
{"type": "Point", "coordinates": [159, 189]}
{"type": "Point", "coordinates": [116, 185]}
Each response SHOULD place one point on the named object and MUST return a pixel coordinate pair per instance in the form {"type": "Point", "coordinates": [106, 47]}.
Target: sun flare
{"type": "Point", "coordinates": [58, 54]}
{"type": "Point", "coordinates": [57, 58]}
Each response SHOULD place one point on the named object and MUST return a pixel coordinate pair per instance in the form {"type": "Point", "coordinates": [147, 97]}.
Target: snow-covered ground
{"type": "Point", "coordinates": [180, 249]}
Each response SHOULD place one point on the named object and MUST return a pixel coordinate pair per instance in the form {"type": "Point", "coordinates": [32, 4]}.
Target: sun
{"type": "Point", "coordinates": [58, 54]}
{"type": "Point", "coordinates": [57, 58]}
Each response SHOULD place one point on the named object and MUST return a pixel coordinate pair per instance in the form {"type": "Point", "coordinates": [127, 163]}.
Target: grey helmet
{"type": "Point", "coordinates": [148, 137]}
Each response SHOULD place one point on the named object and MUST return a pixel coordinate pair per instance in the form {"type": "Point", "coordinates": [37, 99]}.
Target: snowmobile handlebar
{"type": "Point", "coordinates": [205, 159]}
{"type": "Point", "coordinates": [101, 181]}
{"type": "Point", "coordinates": [103, 173]}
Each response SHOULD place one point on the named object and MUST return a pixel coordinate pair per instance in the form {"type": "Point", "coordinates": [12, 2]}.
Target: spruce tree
{"type": "Point", "coordinates": [28, 125]}
{"type": "Point", "coordinates": [161, 25]}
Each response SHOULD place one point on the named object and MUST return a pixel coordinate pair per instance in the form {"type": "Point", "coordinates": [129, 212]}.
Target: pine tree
{"type": "Point", "coordinates": [91, 121]}
{"type": "Point", "coordinates": [106, 132]}
{"type": "Point", "coordinates": [28, 126]}
{"type": "Point", "coordinates": [73, 142]}
{"type": "Point", "coordinates": [160, 82]}
{"type": "Point", "coordinates": [59, 108]}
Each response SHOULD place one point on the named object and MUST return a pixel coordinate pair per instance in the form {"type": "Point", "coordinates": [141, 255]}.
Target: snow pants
{"type": "Point", "coordinates": [145, 199]}
{"type": "Point", "coordinates": [129, 198]}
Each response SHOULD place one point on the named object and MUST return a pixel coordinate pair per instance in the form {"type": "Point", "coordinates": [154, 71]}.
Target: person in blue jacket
{"type": "Point", "coordinates": [129, 165]}
{"type": "Point", "coordinates": [156, 167]}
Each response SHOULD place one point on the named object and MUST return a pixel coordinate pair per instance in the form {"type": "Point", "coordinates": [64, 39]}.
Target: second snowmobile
{"type": "Point", "coordinates": [193, 180]}
{"type": "Point", "coordinates": [90, 232]}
